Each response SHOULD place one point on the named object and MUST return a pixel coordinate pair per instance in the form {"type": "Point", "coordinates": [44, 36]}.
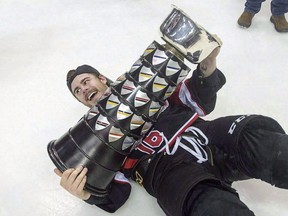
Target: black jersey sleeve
{"type": "Point", "coordinates": [118, 195]}
{"type": "Point", "coordinates": [204, 90]}
{"type": "Point", "coordinates": [199, 93]}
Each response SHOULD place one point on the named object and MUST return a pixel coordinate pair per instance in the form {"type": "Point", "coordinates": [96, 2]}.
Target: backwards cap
{"type": "Point", "coordinates": [79, 70]}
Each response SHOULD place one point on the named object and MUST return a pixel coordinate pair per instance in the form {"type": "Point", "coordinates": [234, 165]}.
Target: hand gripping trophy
{"type": "Point", "coordinates": [105, 135]}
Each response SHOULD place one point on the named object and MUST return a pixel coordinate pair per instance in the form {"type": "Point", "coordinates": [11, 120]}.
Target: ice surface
{"type": "Point", "coordinates": [41, 40]}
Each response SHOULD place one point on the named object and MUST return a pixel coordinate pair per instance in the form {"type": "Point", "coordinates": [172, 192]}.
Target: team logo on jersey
{"type": "Point", "coordinates": [194, 142]}
{"type": "Point", "coordinates": [151, 142]}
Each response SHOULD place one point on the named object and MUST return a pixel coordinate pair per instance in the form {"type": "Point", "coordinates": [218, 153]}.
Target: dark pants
{"type": "Point", "coordinates": [243, 147]}
{"type": "Point", "coordinates": [208, 200]}
{"type": "Point", "coordinates": [257, 148]}
{"type": "Point", "coordinates": [278, 7]}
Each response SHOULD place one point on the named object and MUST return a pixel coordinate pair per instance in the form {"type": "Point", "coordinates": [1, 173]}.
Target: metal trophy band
{"type": "Point", "coordinates": [105, 135]}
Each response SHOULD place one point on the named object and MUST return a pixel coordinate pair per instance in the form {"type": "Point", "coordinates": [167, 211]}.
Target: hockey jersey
{"type": "Point", "coordinates": [193, 98]}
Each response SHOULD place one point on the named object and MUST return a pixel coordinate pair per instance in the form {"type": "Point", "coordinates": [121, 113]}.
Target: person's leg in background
{"type": "Point", "coordinates": [278, 10]}
{"type": "Point", "coordinates": [251, 8]}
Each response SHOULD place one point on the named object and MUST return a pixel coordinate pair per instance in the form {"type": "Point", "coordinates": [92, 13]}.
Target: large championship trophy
{"type": "Point", "coordinates": [105, 135]}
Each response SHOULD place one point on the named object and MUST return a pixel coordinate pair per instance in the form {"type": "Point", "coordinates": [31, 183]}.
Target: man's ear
{"type": "Point", "coordinates": [103, 79]}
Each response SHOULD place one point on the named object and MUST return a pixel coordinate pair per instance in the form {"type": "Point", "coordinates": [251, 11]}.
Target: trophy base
{"type": "Point", "coordinates": [99, 192]}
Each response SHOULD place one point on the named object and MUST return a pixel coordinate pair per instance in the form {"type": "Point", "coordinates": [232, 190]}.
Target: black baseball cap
{"type": "Point", "coordinates": [79, 70]}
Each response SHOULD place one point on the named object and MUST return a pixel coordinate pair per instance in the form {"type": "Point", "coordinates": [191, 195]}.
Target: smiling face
{"type": "Point", "coordinates": [88, 88]}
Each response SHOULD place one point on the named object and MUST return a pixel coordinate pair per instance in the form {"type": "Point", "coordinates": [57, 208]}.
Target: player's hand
{"type": "Point", "coordinates": [73, 180]}
{"type": "Point", "coordinates": [208, 65]}
{"type": "Point", "coordinates": [216, 51]}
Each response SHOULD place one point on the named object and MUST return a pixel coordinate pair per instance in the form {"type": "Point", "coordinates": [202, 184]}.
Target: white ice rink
{"type": "Point", "coordinates": [41, 40]}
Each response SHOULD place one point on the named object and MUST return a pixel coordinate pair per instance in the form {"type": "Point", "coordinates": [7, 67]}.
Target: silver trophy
{"type": "Point", "coordinates": [105, 135]}
{"type": "Point", "coordinates": [189, 38]}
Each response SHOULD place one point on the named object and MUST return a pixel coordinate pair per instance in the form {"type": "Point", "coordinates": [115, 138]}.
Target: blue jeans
{"type": "Point", "coordinates": [278, 7]}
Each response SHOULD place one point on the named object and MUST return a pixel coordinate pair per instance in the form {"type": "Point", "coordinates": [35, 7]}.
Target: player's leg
{"type": "Point", "coordinates": [263, 151]}
{"type": "Point", "coordinates": [184, 187]}
{"type": "Point", "coordinates": [249, 146]}
{"type": "Point", "coordinates": [223, 135]}
{"type": "Point", "coordinates": [207, 199]}
{"type": "Point", "coordinates": [174, 180]}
